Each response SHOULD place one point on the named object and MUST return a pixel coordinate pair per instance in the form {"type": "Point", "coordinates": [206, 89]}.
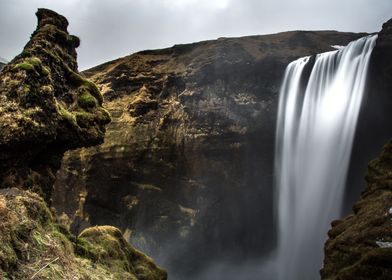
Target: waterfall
{"type": "Point", "coordinates": [317, 117]}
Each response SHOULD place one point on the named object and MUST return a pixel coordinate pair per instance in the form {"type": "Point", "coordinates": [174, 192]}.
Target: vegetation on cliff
{"type": "Point", "coordinates": [46, 108]}
{"type": "Point", "coordinates": [360, 245]}
{"type": "Point", "coordinates": [33, 246]}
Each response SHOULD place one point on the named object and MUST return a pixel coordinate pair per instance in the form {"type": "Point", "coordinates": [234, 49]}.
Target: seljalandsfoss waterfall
{"type": "Point", "coordinates": [318, 111]}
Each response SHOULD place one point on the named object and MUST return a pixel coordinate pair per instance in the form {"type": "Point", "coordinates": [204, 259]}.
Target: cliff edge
{"type": "Point", "coordinates": [46, 108]}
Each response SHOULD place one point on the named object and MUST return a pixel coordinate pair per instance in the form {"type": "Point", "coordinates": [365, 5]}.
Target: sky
{"type": "Point", "coordinates": [110, 29]}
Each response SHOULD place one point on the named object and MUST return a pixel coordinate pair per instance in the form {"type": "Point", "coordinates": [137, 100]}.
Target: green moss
{"type": "Point", "coordinates": [26, 89]}
{"type": "Point", "coordinates": [86, 100]}
{"type": "Point", "coordinates": [45, 70]}
{"type": "Point", "coordinates": [66, 115]}
{"type": "Point", "coordinates": [108, 247]}
{"type": "Point", "coordinates": [94, 91]}
{"type": "Point", "coordinates": [47, 89]}
{"type": "Point", "coordinates": [31, 64]}
{"type": "Point", "coordinates": [25, 66]}
{"type": "Point", "coordinates": [35, 61]}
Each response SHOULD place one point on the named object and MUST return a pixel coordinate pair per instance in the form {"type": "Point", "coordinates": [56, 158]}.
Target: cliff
{"type": "Point", "coordinates": [187, 162]}
{"type": "Point", "coordinates": [46, 108]}
{"type": "Point", "coordinates": [360, 245]}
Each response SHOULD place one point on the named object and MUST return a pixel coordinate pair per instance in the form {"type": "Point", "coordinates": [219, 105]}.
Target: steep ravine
{"type": "Point", "coordinates": [186, 167]}
{"type": "Point", "coordinates": [46, 108]}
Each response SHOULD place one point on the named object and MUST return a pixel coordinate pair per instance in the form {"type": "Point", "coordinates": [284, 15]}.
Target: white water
{"type": "Point", "coordinates": [316, 125]}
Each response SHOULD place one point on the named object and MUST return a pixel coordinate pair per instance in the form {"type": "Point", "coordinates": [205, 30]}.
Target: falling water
{"type": "Point", "coordinates": [316, 124]}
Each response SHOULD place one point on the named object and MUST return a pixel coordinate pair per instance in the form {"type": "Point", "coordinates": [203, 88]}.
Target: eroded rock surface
{"type": "Point", "coordinates": [46, 108]}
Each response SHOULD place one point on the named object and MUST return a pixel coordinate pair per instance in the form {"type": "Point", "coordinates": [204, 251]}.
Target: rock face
{"type": "Point", "coordinates": [360, 246]}
{"type": "Point", "coordinates": [2, 65]}
{"type": "Point", "coordinates": [187, 162]}
{"type": "Point", "coordinates": [46, 108]}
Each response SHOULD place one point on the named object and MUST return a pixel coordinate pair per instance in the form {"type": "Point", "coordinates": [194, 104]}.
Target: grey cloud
{"type": "Point", "coordinates": [113, 28]}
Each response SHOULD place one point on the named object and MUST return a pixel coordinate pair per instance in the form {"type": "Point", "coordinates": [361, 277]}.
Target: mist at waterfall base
{"type": "Point", "coordinates": [319, 106]}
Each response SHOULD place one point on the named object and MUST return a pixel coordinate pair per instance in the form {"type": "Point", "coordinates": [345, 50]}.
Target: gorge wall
{"type": "Point", "coordinates": [186, 167]}
{"type": "Point", "coordinates": [46, 108]}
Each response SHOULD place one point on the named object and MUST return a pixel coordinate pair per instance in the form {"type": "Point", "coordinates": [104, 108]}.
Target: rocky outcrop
{"type": "Point", "coordinates": [46, 108]}
{"type": "Point", "coordinates": [360, 245]}
{"type": "Point", "coordinates": [2, 65]}
{"type": "Point", "coordinates": [33, 246]}
{"type": "Point", "coordinates": [187, 162]}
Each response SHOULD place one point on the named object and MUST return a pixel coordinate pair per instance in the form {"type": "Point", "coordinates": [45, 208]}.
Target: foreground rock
{"type": "Point", "coordinates": [360, 246]}
{"type": "Point", "coordinates": [33, 246]}
{"type": "Point", "coordinates": [187, 162]}
{"type": "Point", "coordinates": [46, 108]}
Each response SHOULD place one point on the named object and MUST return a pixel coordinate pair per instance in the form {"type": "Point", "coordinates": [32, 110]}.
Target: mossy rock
{"type": "Point", "coordinates": [106, 245]}
{"type": "Point", "coordinates": [31, 240]}
{"type": "Point", "coordinates": [353, 251]}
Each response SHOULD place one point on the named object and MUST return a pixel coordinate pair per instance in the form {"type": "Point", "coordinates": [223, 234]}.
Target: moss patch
{"type": "Point", "coordinates": [30, 240]}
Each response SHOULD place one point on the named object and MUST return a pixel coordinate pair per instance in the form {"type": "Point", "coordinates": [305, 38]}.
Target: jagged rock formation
{"type": "Point", "coordinates": [360, 245]}
{"type": "Point", "coordinates": [46, 108]}
{"type": "Point", "coordinates": [187, 161]}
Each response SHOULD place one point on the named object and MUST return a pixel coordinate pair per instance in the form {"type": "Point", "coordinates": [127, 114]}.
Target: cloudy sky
{"type": "Point", "coordinates": [113, 28]}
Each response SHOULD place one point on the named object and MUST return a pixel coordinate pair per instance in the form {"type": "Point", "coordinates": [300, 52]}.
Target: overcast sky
{"type": "Point", "coordinates": [114, 28]}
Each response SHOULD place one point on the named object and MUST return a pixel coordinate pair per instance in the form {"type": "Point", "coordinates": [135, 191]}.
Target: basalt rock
{"type": "Point", "coordinates": [187, 162]}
